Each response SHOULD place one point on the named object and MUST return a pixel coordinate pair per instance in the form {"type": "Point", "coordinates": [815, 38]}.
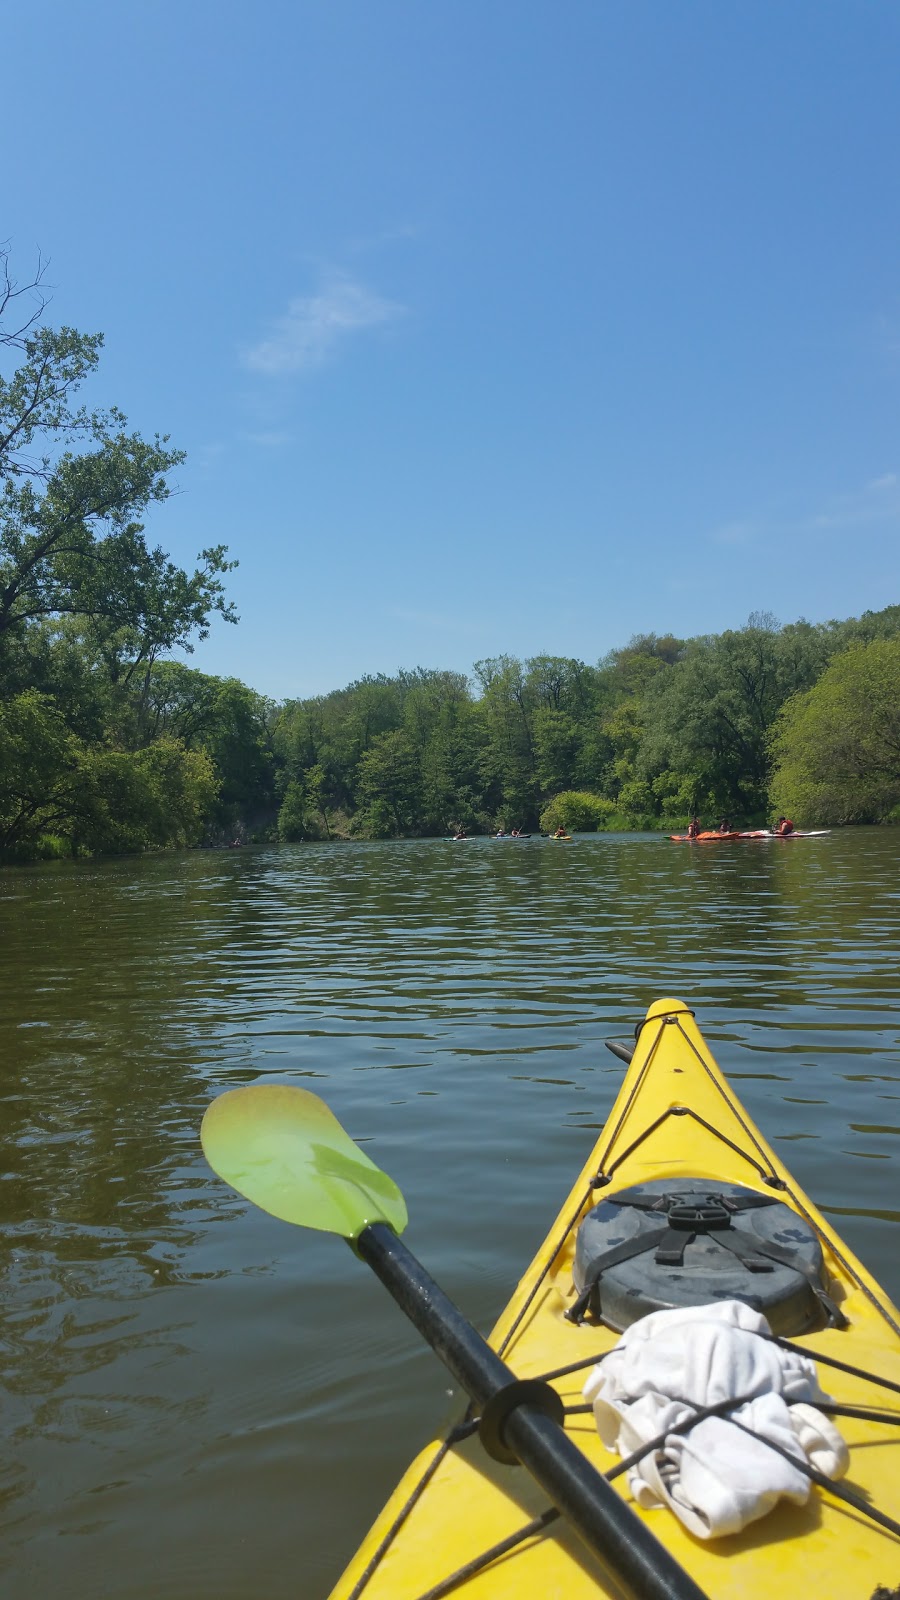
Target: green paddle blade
{"type": "Point", "coordinates": [283, 1149]}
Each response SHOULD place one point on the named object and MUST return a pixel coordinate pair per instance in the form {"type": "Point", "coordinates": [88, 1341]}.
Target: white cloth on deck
{"type": "Point", "coordinates": [715, 1478]}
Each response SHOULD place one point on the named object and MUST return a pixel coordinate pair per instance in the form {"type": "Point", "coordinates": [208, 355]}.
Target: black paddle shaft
{"type": "Point", "coordinates": [638, 1565]}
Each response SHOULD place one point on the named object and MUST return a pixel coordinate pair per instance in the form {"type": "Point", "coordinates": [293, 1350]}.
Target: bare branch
{"type": "Point", "coordinates": [10, 290]}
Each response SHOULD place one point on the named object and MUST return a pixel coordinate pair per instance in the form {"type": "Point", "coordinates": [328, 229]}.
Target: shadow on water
{"type": "Point", "coordinates": [199, 1397]}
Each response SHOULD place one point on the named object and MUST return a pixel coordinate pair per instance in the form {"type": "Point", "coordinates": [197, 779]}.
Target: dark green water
{"type": "Point", "coordinates": [204, 1404]}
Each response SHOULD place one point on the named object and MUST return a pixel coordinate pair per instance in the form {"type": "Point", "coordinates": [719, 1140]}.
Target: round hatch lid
{"type": "Point", "coordinates": [687, 1242]}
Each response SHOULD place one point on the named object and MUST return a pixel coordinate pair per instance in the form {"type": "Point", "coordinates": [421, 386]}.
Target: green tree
{"type": "Point", "coordinates": [837, 746]}
{"type": "Point", "coordinates": [884, 624]}
{"type": "Point", "coordinates": [578, 812]}
{"type": "Point", "coordinates": [72, 540]}
{"type": "Point", "coordinates": [37, 756]}
{"type": "Point", "coordinates": [304, 811]}
{"type": "Point", "coordinates": [292, 813]}
{"type": "Point", "coordinates": [557, 745]}
{"type": "Point", "coordinates": [509, 769]}
{"type": "Point", "coordinates": [390, 785]}
{"type": "Point", "coordinates": [709, 718]}
{"type": "Point", "coordinates": [120, 801]}
{"type": "Point", "coordinates": [219, 715]}
{"type": "Point", "coordinates": [87, 606]}
{"type": "Point", "coordinates": [447, 732]}
{"type": "Point", "coordinates": [618, 695]}
{"type": "Point", "coordinates": [92, 796]}
{"type": "Point", "coordinates": [624, 729]}
{"type": "Point", "coordinates": [333, 732]}
{"type": "Point", "coordinates": [558, 683]}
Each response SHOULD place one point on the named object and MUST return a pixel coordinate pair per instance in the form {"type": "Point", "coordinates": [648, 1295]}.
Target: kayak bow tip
{"type": "Point", "coordinates": [665, 1008]}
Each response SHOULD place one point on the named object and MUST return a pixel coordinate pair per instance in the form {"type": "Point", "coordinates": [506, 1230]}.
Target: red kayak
{"type": "Point", "coordinates": [798, 833]}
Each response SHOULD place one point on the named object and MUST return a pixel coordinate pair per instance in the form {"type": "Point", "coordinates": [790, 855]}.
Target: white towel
{"type": "Point", "coordinates": [715, 1478]}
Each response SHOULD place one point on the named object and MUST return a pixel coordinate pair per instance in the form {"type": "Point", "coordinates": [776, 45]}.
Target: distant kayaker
{"type": "Point", "coordinates": [560, 834]}
{"type": "Point", "coordinates": [724, 825]}
{"type": "Point", "coordinates": [693, 828]}
{"type": "Point", "coordinates": [784, 827]}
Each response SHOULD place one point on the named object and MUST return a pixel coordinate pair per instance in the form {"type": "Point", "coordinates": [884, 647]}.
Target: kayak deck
{"type": "Point", "coordinates": [674, 1117]}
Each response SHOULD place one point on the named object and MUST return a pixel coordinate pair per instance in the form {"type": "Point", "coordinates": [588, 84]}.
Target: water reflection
{"type": "Point", "coordinates": [172, 1361]}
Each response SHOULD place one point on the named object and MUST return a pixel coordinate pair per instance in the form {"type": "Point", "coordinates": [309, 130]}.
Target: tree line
{"type": "Point", "coordinates": [109, 744]}
{"type": "Point", "coordinates": [804, 718]}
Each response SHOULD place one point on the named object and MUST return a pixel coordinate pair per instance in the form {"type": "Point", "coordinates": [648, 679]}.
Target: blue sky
{"type": "Point", "coordinates": [486, 327]}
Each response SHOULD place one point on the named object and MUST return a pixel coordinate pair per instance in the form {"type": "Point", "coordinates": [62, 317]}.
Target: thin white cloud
{"type": "Point", "coordinates": [878, 501]}
{"type": "Point", "coordinates": [435, 619]}
{"type": "Point", "coordinates": [367, 243]}
{"type": "Point", "coordinates": [272, 440]}
{"type": "Point", "coordinates": [207, 454]}
{"type": "Point", "coordinates": [735, 533]}
{"type": "Point", "coordinates": [888, 333]}
{"type": "Point", "coordinates": [315, 325]}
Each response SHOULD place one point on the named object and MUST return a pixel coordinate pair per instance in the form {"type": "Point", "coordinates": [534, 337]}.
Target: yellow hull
{"type": "Point", "coordinates": [455, 1502]}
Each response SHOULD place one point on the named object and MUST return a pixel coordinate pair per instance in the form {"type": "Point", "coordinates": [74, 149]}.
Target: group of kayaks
{"type": "Point", "coordinates": [711, 836]}
{"type": "Point", "coordinates": [708, 1215]}
{"type": "Point", "coordinates": [505, 838]}
{"type": "Point", "coordinates": [719, 836]}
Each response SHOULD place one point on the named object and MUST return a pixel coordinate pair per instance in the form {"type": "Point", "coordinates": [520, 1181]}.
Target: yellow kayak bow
{"type": "Point", "coordinates": [464, 1523]}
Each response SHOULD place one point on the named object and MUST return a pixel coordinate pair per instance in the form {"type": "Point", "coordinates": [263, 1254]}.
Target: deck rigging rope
{"type": "Point", "coordinates": [462, 1430]}
{"type": "Point", "coordinates": [539, 1525]}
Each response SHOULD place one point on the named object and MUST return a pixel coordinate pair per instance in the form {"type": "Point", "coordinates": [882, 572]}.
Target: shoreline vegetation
{"type": "Point", "coordinates": [108, 745]}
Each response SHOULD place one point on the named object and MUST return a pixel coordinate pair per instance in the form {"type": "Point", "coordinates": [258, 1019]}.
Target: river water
{"type": "Point", "coordinates": [202, 1403]}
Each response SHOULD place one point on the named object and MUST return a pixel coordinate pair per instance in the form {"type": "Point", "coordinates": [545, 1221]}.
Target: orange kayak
{"type": "Point", "coordinates": [704, 838]}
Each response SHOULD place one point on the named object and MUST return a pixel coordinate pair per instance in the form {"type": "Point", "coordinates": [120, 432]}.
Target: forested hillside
{"type": "Point", "coordinates": [110, 742]}
{"type": "Point", "coordinates": [659, 729]}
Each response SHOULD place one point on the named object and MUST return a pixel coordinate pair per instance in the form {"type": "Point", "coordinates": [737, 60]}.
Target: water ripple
{"type": "Point", "coordinates": [173, 1360]}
